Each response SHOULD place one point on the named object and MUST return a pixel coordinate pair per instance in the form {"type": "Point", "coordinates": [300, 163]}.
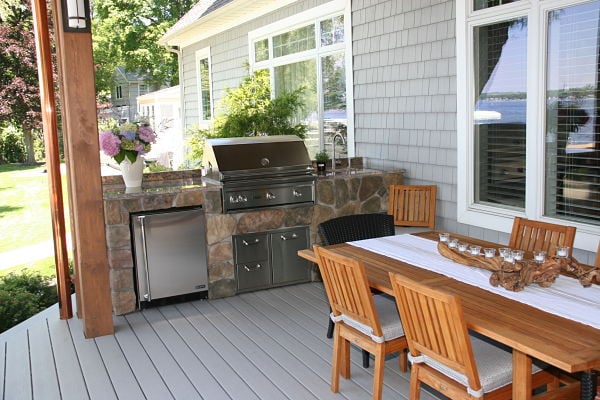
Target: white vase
{"type": "Point", "coordinates": [132, 172]}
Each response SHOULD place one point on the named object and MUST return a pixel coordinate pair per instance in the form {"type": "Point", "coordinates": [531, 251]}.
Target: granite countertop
{"type": "Point", "coordinates": [155, 183]}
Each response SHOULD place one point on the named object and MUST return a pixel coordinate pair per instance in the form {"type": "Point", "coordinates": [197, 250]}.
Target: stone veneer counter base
{"type": "Point", "coordinates": [363, 191]}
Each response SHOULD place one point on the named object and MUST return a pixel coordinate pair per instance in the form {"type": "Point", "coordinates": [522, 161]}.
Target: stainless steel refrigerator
{"type": "Point", "coordinates": [170, 253]}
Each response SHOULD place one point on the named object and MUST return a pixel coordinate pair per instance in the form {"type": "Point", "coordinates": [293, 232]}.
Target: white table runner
{"type": "Point", "coordinates": [566, 297]}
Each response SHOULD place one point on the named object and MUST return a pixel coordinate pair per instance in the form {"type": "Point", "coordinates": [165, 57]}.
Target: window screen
{"type": "Point", "coordinates": [572, 114]}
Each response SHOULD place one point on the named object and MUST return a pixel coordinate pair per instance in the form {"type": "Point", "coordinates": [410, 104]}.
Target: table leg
{"type": "Point", "coordinates": [521, 376]}
{"type": "Point", "coordinates": [589, 381]}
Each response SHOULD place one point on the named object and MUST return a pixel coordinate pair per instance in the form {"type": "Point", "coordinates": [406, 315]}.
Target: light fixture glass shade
{"type": "Point", "coordinates": [76, 15]}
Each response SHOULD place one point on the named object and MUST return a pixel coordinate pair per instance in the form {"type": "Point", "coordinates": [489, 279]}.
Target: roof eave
{"type": "Point", "coordinates": [220, 20]}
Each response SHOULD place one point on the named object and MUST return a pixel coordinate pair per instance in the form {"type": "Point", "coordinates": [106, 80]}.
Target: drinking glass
{"type": "Point", "coordinates": [462, 247]}
{"type": "Point", "coordinates": [503, 251]}
{"type": "Point", "coordinates": [453, 243]}
{"type": "Point", "coordinates": [444, 237]}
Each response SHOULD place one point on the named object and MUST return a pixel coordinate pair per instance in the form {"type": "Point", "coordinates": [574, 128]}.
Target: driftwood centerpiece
{"type": "Point", "coordinates": [516, 276]}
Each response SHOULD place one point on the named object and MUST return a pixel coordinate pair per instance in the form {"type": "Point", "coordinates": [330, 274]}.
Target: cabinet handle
{"type": "Point", "coordinates": [294, 236]}
{"type": "Point", "coordinates": [256, 267]}
{"type": "Point", "coordinates": [256, 241]}
{"type": "Point", "coordinates": [148, 295]}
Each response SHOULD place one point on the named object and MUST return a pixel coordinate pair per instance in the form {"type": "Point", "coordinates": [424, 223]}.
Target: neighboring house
{"type": "Point", "coordinates": [161, 109]}
{"type": "Point", "coordinates": [123, 96]}
{"type": "Point", "coordinates": [496, 104]}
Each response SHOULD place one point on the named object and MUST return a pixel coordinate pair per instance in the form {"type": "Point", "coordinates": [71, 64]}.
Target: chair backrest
{"type": "Point", "coordinates": [435, 326]}
{"type": "Point", "coordinates": [347, 288]}
{"type": "Point", "coordinates": [530, 235]}
{"type": "Point", "coordinates": [413, 205]}
{"type": "Point", "coordinates": [355, 227]}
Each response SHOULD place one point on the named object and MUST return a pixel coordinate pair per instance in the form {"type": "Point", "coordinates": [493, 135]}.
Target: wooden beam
{"type": "Point", "coordinates": [49, 121]}
{"type": "Point", "coordinates": [82, 150]}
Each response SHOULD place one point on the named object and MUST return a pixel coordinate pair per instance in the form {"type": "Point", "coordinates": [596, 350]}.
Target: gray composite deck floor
{"type": "Point", "coordinates": [267, 344]}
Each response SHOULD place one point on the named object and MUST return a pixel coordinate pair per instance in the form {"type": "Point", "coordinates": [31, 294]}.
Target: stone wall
{"type": "Point", "coordinates": [336, 196]}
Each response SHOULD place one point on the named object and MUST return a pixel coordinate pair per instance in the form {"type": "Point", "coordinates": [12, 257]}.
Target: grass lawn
{"type": "Point", "coordinates": [44, 266]}
{"type": "Point", "coordinates": [25, 210]}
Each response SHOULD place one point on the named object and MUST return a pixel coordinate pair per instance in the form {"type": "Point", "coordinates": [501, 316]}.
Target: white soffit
{"type": "Point", "coordinates": [228, 16]}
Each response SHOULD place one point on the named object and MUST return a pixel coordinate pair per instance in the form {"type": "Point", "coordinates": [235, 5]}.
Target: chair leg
{"type": "Point", "coordinates": [366, 356]}
{"type": "Point", "coordinates": [337, 362]}
{"type": "Point", "coordinates": [415, 383]}
{"type": "Point", "coordinates": [378, 370]}
{"type": "Point", "coordinates": [330, 329]}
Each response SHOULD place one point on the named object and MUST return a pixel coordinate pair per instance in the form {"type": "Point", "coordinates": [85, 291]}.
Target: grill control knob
{"type": "Point", "coordinates": [270, 196]}
{"type": "Point", "coordinates": [242, 199]}
{"type": "Point", "coordinates": [296, 193]}
{"type": "Point", "coordinates": [233, 199]}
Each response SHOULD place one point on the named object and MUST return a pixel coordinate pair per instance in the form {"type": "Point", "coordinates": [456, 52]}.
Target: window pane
{"type": "Point", "coordinates": [334, 101]}
{"type": "Point", "coordinates": [481, 4]}
{"type": "Point", "coordinates": [292, 76]}
{"type": "Point", "coordinates": [204, 88]}
{"type": "Point", "coordinates": [500, 113]}
{"type": "Point", "coordinates": [572, 114]}
{"type": "Point", "coordinates": [332, 31]}
{"type": "Point", "coordinates": [261, 50]}
{"type": "Point", "coordinates": [295, 41]}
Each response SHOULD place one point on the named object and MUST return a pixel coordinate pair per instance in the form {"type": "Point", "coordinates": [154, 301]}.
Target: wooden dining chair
{"type": "Point", "coordinates": [444, 355]}
{"type": "Point", "coordinates": [349, 228]}
{"type": "Point", "coordinates": [531, 235]}
{"type": "Point", "coordinates": [367, 321]}
{"type": "Point", "coordinates": [413, 205]}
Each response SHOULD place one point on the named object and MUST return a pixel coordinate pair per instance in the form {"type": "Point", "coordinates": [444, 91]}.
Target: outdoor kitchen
{"type": "Point", "coordinates": [262, 202]}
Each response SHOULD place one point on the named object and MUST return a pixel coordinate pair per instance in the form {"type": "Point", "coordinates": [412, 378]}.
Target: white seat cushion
{"type": "Point", "coordinates": [388, 318]}
{"type": "Point", "coordinates": [494, 366]}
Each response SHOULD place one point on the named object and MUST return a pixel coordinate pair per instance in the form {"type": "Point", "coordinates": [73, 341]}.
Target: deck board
{"type": "Point", "coordinates": [267, 344]}
{"type": "Point", "coordinates": [93, 368]}
{"type": "Point", "coordinates": [43, 372]}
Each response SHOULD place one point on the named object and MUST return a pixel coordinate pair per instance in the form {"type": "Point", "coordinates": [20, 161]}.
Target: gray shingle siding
{"type": "Point", "coordinates": [405, 91]}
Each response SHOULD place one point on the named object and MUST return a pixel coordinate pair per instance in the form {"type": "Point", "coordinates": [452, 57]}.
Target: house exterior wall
{"type": "Point", "coordinates": [404, 67]}
{"type": "Point", "coordinates": [229, 56]}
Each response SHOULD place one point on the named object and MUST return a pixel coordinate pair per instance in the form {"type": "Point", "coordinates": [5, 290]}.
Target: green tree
{"type": "Point", "coordinates": [19, 87]}
{"type": "Point", "coordinates": [249, 110]}
{"type": "Point", "coordinates": [126, 32]}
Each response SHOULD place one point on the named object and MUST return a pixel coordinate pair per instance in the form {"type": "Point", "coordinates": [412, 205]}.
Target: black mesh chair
{"type": "Point", "coordinates": [350, 228]}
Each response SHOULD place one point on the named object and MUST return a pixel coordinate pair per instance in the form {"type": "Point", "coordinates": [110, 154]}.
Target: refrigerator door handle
{"type": "Point", "coordinates": [141, 219]}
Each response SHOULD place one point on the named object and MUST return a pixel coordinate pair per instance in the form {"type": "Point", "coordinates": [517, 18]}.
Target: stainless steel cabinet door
{"type": "Point", "coordinates": [170, 252]}
{"type": "Point", "coordinates": [286, 265]}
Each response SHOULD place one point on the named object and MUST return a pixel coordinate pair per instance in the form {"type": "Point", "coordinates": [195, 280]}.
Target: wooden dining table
{"type": "Point", "coordinates": [532, 333]}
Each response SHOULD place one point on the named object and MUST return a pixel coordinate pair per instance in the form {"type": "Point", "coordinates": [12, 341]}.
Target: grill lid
{"type": "Point", "coordinates": [239, 157]}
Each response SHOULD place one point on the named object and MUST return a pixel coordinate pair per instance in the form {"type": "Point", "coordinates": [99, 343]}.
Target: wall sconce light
{"type": "Point", "coordinates": [76, 15]}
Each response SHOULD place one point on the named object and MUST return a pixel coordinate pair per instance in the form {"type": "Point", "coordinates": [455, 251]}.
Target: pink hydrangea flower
{"type": "Point", "coordinates": [146, 134]}
{"type": "Point", "coordinates": [110, 143]}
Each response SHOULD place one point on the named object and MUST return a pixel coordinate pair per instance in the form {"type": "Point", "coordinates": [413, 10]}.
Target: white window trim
{"type": "Point", "coordinates": [299, 20]}
{"type": "Point", "coordinates": [201, 54]}
{"type": "Point", "coordinates": [484, 216]}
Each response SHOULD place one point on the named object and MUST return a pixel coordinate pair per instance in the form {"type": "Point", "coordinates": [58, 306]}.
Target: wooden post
{"type": "Point", "coordinates": [82, 150]}
{"type": "Point", "coordinates": [48, 103]}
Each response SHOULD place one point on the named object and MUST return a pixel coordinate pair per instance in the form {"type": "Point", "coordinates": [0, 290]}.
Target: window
{"type": "Point", "coordinates": [528, 85]}
{"type": "Point", "coordinates": [312, 50]}
{"type": "Point", "coordinates": [119, 92]}
{"type": "Point", "coordinates": [204, 85]}
{"type": "Point", "coordinates": [143, 89]}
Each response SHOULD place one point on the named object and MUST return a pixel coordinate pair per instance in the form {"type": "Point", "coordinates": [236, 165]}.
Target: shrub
{"type": "Point", "coordinates": [24, 295]}
{"type": "Point", "coordinates": [12, 149]}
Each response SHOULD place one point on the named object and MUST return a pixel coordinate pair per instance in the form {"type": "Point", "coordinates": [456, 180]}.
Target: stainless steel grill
{"type": "Point", "coordinates": [259, 172]}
